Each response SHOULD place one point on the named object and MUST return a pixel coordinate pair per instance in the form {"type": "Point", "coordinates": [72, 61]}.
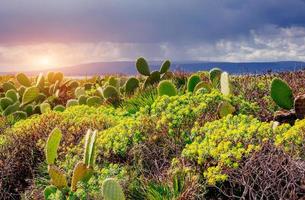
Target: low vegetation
{"type": "Point", "coordinates": [157, 135]}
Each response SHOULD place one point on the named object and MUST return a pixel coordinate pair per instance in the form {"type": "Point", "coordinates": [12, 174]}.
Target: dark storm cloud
{"type": "Point", "coordinates": [142, 21]}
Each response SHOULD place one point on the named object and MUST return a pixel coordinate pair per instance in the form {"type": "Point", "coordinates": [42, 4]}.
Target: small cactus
{"type": "Point", "coordinates": [11, 109]}
{"type": "Point", "coordinates": [112, 190]}
{"type": "Point", "coordinates": [225, 108]}
{"type": "Point", "coordinates": [225, 84]}
{"type": "Point", "coordinates": [52, 146]}
{"type": "Point", "coordinates": [45, 107]}
{"type": "Point", "coordinates": [8, 86]}
{"type": "Point", "coordinates": [82, 100]}
{"type": "Point", "coordinates": [89, 147]}
{"type": "Point", "coordinates": [79, 172]}
{"type": "Point", "coordinates": [59, 108]}
{"type": "Point", "coordinates": [5, 102]}
{"type": "Point", "coordinates": [167, 88]}
{"type": "Point", "coordinates": [12, 94]}
{"type": "Point", "coordinates": [192, 82]}
{"type": "Point", "coordinates": [203, 85]}
{"type": "Point", "coordinates": [282, 94]}
{"type": "Point", "coordinates": [131, 85]}
{"type": "Point", "coordinates": [110, 92]}
{"type": "Point", "coordinates": [40, 81]}
{"type": "Point", "coordinates": [23, 80]}
{"type": "Point", "coordinates": [79, 91]}
{"type": "Point", "coordinates": [165, 67]}
{"type": "Point", "coordinates": [142, 66]}
{"type": "Point", "coordinates": [94, 101]}
{"type": "Point", "coordinates": [58, 177]}
{"type": "Point", "coordinates": [71, 102]}
{"type": "Point", "coordinates": [30, 95]}
{"type": "Point", "coordinates": [18, 115]}
{"type": "Point", "coordinates": [215, 74]}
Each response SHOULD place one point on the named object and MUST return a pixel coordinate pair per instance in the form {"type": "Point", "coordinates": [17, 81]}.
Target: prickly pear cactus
{"type": "Point", "coordinates": [71, 102]}
{"type": "Point", "coordinates": [82, 100]}
{"type": "Point", "coordinates": [52, 146]}
{"type": "Point", "coordinates": [89, 147]}
{"type": "Point", "coordinates": [23, 80]}
{"type": "Point", "coordinates": [59, 108]}
{"type": "Point", "coordinates": [45, 107]}
{"type": "Point", "coordinates": [79, 172]}
{"type": "Point", "coordinates": [165, 67]}
{"type": "Point", "coordinates": [19, 115]}
{"type": "Point", "coordinates": [79, 91]}
{"type": "Point", "coordinates": [192, 82]}
{"type": "Point", "coordinates": [131, 85]}
{"type": "Point", "coordinates": [215, 75]}
{"type": "Point", "coordinates": [225, 84]}
{"type": "Point", "coordinates": [12, 94]}
{"type": "Point", "coordinates": [282, 94]}
{"type": "Point", "coordinates": [8, 86]}
{"type": "Point", "coordinates": [110, 92]}
{"type": "Point", "coordinates": [58, 177]}
{"type": "Point", "coordinates": [94, 101]}
{"type": "Point", "coordinates": [142, 66]}
{"type": "Point", "coordinates": [112, 190]}
{"type": "Point", "coordinates": [225, 108]}
{"type": "Point", "coordinates": [11, 109]}
{"type": "Point", "coordinates": [30, 95]}
{"type": "Point", "coordinates": [203, 85]}
{"type": "Point", "coordinates": [5, 102]}
{"type": "Point", "coordinates": [167, 88]}
{"type": "Point", "coordinates": [40, 82]}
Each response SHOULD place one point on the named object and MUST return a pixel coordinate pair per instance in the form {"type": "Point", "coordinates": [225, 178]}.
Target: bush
{"type": "Point", "coordinates": [223, 143]}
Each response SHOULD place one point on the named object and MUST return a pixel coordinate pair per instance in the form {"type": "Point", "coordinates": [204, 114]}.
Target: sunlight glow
{"type": "Point", "coordinates": [45, 61]}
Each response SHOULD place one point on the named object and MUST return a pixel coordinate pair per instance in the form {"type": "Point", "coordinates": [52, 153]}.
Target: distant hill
{"type": "Point", "coordinates": [126, 67]}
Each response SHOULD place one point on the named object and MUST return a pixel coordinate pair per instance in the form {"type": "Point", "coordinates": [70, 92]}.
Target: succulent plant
{"type": "Point", "coordinates": [79, 91]}
{"type": "Point", "coordinates": [52, 146]}
{"type": "Point", "coordinates": [192, 82]}
{"type": "Point", "coordinates": [165, 67]}
{"type": "Point", "coordinates": [11, 109]}
{"type": "Point", "coordinates": [167, 88]}
{"type": "Point", "coordinates": [94, 101]}
{"type": "Point", "coordinates": [30, 95]}
{"type": "Point", "coordinates": [5, 102]}
{"type": "Point", "coordinates": [12, 94]}
{"type": "Point", "coordinates": [8, 86]}
{"type": "Point", "coordinates": [215, 75]}
{"type": "Point", "coordinates": [225, 108]}
{"type": "Point", "coordinates": [112, 190]}
{"type": "Point", "coordinates": [45, 107]}
{"type": "Point", "coordinates": [110, 92]}
{"type": "Point", "coordinates": [82, 100]}
{"type": "Point", "coordinates": [225, 83]}
{"type": "Point", "coordinates": [40, 81]}
{"type": "Point", "coordinates": [131, 85]}
{"type": "Point", "coordinates": [142, 66]}
{"type": "Point", "coordinates": [59, 108]}
{"type": "Point", "coordinates": [282, 94]}
{"type": "Point", "coordinates": [82, 170]}
{"type": "Point", "coordinates": [19, 115]}
{"type": "Point", "coordinates": [23, 80]}
{"type": "Point", "coordinates": [71, 102]}
{"type": "Point", "coordinates": [203, 85]}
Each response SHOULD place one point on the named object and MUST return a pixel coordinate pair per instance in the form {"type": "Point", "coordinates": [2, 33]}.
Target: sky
{"type": "Point", "coordinates": [54, 33]}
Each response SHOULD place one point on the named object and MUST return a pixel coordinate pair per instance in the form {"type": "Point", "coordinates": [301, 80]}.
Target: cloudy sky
{"type": "Point", "coordinates": [47, 33]}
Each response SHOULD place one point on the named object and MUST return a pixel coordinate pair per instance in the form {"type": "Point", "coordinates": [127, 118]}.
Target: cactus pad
{"type": "Point", "coordinates": [110, 92]}
{"type": "Point", "coordinates": [94, 101]}
{"type": "Point", "coordinates": [165, 67]}
{"type": "Point", "coordinates": [225, 108]}
{"type": "Point", "coordinates": [282, 94]}
{"type": "Point", "coordinates": [131, 85]}
{"type": "Point", "coordinates": [167, 88]}
{"type": "Point", "coordinates": [30, 94]}
{"type": "Point", "coordinates": [215, 74]}
{"type": "Point", "coordinates": [52, 146]}
{"type": "Point", "coordinates": [58, 177]}
{"type": "Point", "coordinates": [192, 82]}
{"type": "Point", "coordinates": [225, 83]}
{"type": "Point", "coordinates": [23, 80]}
{"type": "Point", "coordinates": [112, 190]}
{"type": "Point", "coordinates": [142, 66]}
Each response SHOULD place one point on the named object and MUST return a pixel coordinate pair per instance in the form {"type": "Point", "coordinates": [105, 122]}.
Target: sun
{"type": "Point", "coordinates": [43, 62]}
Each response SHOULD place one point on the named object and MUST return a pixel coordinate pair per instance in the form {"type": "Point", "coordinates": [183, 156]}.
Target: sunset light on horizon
{"type": "Point", "coordinates": [72, 32]}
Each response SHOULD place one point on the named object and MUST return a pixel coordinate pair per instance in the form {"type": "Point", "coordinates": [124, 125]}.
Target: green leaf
{"type": "Point", "coordinates": [30, 95]}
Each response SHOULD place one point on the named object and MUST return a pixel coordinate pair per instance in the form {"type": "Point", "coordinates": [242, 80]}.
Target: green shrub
{"type": "Point", "coordinates": [223, 143]}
